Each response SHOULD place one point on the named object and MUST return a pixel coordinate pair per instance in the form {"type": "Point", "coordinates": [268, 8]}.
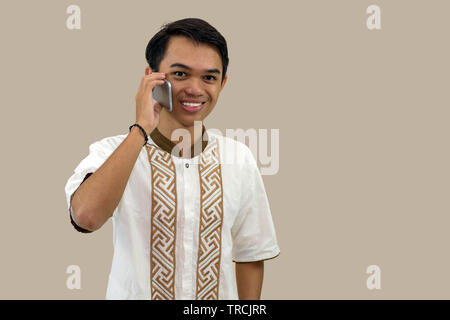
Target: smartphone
{"type": "Point", "coordinates": [163, 94]}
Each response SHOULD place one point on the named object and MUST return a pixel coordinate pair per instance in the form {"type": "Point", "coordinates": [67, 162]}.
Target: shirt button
{"type": "Point", "coordinates": [187, 165]}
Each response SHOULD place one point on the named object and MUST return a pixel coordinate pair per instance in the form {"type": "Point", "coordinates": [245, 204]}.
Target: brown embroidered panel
{"type": "Point", "coordinates": [163, 224]}
{"type": "Point", "coordinates": [210, 229]}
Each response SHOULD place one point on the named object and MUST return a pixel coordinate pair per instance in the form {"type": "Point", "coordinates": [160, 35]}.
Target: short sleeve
{"type": "Point", "coordinates": [253, 232]}
{"type": "Point", "coordinates": [98, 153]}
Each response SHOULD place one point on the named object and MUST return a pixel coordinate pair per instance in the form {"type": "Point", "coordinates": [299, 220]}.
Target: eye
{"type": "Point", "coordinates": [179, 73]}
{"type": "Point", "coordinates": [211, 78]}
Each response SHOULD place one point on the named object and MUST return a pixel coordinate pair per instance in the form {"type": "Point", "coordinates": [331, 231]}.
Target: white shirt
{"type": "Point", "coordinates": [181, 222]}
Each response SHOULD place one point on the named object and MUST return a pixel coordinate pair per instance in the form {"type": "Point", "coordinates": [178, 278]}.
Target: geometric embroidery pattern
{"type": "Point", "coordinates": [163, 224]}
{"type": "Point", "coordinates": [210, 228]}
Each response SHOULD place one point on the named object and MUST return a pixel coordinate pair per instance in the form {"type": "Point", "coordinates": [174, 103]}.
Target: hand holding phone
{"type": "Point", "coordinates": [163, 94]}
{"type": "Point", "coordinates": [147, 111]}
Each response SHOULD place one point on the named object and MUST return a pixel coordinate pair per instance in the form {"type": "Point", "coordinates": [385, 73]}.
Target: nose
{"type": "Point", "coordinates": [193, 87]}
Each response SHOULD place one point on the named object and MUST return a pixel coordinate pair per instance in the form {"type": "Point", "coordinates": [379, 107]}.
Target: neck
{"type": "Point", "coordinates": [173, 130]}
{"type": "Point", "coordinates": [183, 136]}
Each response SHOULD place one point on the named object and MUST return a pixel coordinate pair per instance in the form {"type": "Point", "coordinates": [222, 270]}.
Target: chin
{"type": "Point", "coordinates": [189, 122]}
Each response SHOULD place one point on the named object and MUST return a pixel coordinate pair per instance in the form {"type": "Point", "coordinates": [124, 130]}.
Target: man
{"type": "Point", "coordinates": [180, 217]}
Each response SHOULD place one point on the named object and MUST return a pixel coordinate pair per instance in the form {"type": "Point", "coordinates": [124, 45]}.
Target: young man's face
{"type": "Point", "coordinates": [195, 72]}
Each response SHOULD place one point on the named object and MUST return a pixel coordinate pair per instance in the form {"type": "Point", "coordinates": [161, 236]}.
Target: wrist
{"type": "Point", "coordinates": [147, 128]}
{"type": "Point", "coordinates": [138, 130]}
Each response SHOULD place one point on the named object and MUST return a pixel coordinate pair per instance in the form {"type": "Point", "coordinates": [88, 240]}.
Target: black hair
{"type": "Point", "coordinates": [195, 29]}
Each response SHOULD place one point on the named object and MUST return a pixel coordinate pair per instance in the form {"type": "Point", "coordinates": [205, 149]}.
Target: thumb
{"type": "Point", "coordinates": [157, 107]}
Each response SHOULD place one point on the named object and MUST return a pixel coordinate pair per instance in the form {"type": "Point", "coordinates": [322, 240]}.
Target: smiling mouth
{"type": "Point", "coordinates": [192, 106]}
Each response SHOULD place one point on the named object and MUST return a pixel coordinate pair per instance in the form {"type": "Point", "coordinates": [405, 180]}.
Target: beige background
{"type": "Point", "coordinates": [363, 119]}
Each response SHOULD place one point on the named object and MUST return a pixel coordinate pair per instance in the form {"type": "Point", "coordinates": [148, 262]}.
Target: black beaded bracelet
{"type": "Point", "coordinates": [143, 132]}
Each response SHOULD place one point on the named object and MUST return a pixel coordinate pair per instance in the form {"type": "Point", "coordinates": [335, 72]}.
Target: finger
{"type": "Point", "coordinates": [157, 107]}
{"type": "Point", "coordinates": [146, 79]}
{"type": "Point", "coordinates": [154, 75]}
{"type": "Point", "coordinates": [150, 85]}
{"type": "Point", "coordinates": [143, 83]}
{"type": "Point", "coordinates": [155, 80]}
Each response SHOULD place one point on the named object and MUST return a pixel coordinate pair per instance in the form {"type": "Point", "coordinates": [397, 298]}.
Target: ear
{"type": "Point", "coordinates": [224, 81]}
{"type": "Point", "coordinates": [147, 70]}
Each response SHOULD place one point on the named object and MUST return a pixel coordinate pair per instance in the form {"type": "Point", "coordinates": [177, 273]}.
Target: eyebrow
{"type": "Point", "coordinates": [189, 68]}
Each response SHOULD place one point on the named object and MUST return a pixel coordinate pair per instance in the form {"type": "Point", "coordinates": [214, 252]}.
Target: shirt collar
{"type": "Point", "coordinates": [167, 145]}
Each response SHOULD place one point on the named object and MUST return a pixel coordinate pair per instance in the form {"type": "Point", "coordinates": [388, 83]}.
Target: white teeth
{"type": "Point", "coordinates": [189, 104]}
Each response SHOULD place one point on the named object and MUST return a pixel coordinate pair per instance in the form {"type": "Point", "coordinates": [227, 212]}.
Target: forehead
{"type": "Point", "coordinates": [197, 56]}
